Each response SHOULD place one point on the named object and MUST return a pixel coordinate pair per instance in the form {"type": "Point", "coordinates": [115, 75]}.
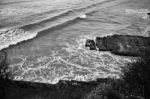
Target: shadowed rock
{"type": "Point", "coordinates": [90, 44]}
{"type": "Point", "coordinates": [148, 14]}
{"type": "Point", "coordinates": [122, 45]}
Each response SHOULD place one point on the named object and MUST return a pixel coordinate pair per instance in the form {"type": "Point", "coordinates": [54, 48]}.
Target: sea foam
{"type": "Point", "coordinates": [14, 36]}
{"type": "Point", "coordinates": [140, 12]}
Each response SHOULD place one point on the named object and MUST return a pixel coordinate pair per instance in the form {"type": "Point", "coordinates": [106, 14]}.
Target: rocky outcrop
{"type": "Point", "coordinates": [91, 44]}
{"type": "Point", "coordinates": [122, 45]}
{"type": "Point", "coordinates": [148, 14]}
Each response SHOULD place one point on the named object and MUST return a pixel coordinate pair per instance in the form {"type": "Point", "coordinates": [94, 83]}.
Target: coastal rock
{"type": "Point", "coordinates": [148, 14]}
{"type": "Point", "coordinates": [122, 45]}
{"type": "Point", "coordinates": [91, 44]}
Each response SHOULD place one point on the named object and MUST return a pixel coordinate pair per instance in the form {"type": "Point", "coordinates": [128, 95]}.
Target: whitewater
{"type": "Point", "coordinates": [48, 37]}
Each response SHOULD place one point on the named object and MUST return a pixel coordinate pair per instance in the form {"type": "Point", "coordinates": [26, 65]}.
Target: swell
{"type": "Point", "coordinates": [30, 31]}
{"type": "Point", "coordinates": [57, 27]}
{"type": "Point", "coordinates": [70, 13]}
{"type": "Point", "coordinates": [8, 3]}
{"type": "Point", "coordinates": [15, 36]}
{"type": "Point", "coordinates": [101, 20]}
{"type": "Point", "coordinates": [43, 22]}
{"type": "Point", "coordinates": [94, 5]}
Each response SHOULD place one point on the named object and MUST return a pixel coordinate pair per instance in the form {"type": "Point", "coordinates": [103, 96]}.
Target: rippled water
{"type": "Point", "coordinates": [58, 52]}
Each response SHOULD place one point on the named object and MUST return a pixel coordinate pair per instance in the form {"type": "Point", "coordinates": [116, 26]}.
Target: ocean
{"type": "Point", "coordinates": [45, 39]}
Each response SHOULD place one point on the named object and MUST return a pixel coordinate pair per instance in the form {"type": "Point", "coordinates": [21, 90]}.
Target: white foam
{"type": "Point", "coordinates": [13, 36]}
{"type": "Point", "coordinates": [83, 16]}
{"type": "Point", "coordinates": [139, 12]}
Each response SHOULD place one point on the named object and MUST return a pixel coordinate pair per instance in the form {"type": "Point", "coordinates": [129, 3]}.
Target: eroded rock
{"type": "Point", "coordinates": [122, 44]}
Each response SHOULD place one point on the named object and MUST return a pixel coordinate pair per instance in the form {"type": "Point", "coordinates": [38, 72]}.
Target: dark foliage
{"type": "Point", "coordinates": [138, 76]}
{"type": "Point", "coordinates": [5, 75]}
{"type": "Point", "coordinates": [135, 84]}
{"type": "Point", "coordinates": [4, 71]}
{"type": "Point", "coordinates": [104, 91]}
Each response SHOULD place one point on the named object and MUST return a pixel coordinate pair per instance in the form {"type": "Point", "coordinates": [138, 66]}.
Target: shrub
{"type": "Point", "coordinates": [135, 84]}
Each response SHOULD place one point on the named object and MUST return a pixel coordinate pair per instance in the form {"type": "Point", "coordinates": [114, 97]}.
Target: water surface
{"type": "Point", "coordinates": [57, 36]}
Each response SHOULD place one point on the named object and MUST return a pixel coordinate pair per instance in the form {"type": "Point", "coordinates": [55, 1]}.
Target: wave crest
{"type": "Point", "coordinates": [13, 36]}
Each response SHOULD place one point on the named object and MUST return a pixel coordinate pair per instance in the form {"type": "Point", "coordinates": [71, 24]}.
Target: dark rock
{"type": "Point", "coordinates": [123, 45]}
{"type": "Point", "coordinates": [101, 43]}
{"type": "Point", "coordinates": [148, 14]}
{"type": "Point", "coordinates": [90, 44]}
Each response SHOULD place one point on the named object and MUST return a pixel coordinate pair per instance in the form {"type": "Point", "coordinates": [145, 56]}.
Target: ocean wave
{"type": "Point", "coordinates": [143, 13]}
{"type": "Point", "coordinates": [45, 21]}
{"type": "Point", "coordinates": [13, 36]}
{"type": "Point", "coordinates": [64, 17]}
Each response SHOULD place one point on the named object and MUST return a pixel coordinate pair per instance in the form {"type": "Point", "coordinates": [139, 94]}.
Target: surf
{"type": "Point", "coordinates": [9, 37]}
{"type": "Point", "coordinates": [13, 36]}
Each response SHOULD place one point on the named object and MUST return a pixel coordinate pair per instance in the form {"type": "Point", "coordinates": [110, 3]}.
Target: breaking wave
{"type": "Point", "coordinates": [13, 36]}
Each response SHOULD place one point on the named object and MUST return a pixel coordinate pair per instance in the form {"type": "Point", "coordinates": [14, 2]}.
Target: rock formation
{"type": "Point", "coordinates": [91, 44]}
{"type": "Point", "coordinates": [148, 14]}
{"type": "Point", "coordinates": [121, 44]}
